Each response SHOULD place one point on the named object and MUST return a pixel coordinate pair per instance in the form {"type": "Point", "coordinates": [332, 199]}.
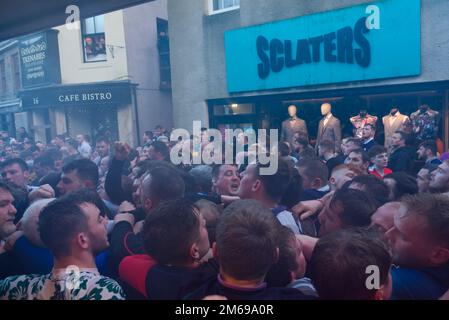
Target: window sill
{"type": "Point", "coordinates": [212, 13]}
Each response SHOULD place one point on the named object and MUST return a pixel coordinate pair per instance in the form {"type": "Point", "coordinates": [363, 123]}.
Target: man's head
{"type": "Point", "coordinates": [427, 150]}
{"type": "Point", "coordinates": [398, 139]}
{"type": "Point", "coordinates": [400, 184]}
{"type": "Point", "coordinates": [292, 110]}
{"type": "Point", "coordinates": [326, 147]}
{"type": "Point", "coordinates": [358, 159]}
{"type": "Point", "coordinates": [378, 156]}
{"type": "Point", "coordinates": [349, 145]}
{"type": "Point", "coordinates": [291, 264]}
{"type": "Point", "coordinates": [77, 175]}
{"type": "Point", "coordinates": [7, 212]}
{"type": "Point", "coordinates": [340, 175]}
{"type": "Point", "coordinates": [43, 165]}
{"type": "Point", "coordinates": [301, 143]}
{"type": "Point", "coordinates": [80, 138]}
{"type": "Point", "coordinates": [270, 188]}
{"type": "Point", "coordinates": [30, 221]}
{"type": "Point", "coordinates": [147, 136]}
{"type": "Point", "coordinates": [158, 130]}
{"type": "Point", "coordinates": [439, 180]}
{"type": "Point", "coordinates": [225, 179]}
{"type": "Point", "coordinates": [211, 212]}
{"type": "Point", "coordinates": [313, 172]}
{"type": "Point", "coordinates": [59, 140]}
{"type": "Point", "coordinates": [175, 234]}
{"type": "Point", "coordinates": [72, 146]}
{"type": "Point", "coordinates": [158, 151]}
{"type": "Point", "coordinates": [420, 235]}
{"type": "Point", "coordinates": [104, 166]}
{"type": "Point", "coordinates": [102, 147]}
{"type": "Point", "coordinates": [15, 172]}
{"type": "Point", "coordinates": [294, 190]}
{"type": "Point", "coordinates": [424, 175]}
{"type": "Point", "coordinates": [347, 208]}
{"type": "Point", "coordinates": [73, 225]}
{"type": "Point", "coordinates": [158, 185]}
{"type": "Point", "coordinates": [383, 218]}
{"type": "Point", "coordinates": [326, 109]}
{"type": "Point", "coordinates": [40, 146]}
{"type": "Point", "coordinates": [368, 132]}
{"type": "Point", "coordinates": [284, 149]}
{"type": "Point", "coordinates": [374, 187]}
{"type": "Point", "coordinates": [252, 228]}
{"type": "Point", "coordinates": [340, 265]}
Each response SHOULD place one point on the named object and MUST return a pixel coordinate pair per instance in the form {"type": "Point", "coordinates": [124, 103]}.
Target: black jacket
{"type": "Point", "coordinates": [402, 160]}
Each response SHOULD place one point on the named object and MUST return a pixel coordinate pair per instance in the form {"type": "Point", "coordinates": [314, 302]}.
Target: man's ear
{"type": "Point", "coordinates": [439, 256]}
{"type": "Point", "coordinates": [366, 165]}
{"type": "Point", "coordinates": [88, 184]}
{"type": "Point", "coordinates": [382, 293]}
{"type": "Point", "coordinates": [256, 185]}
{"type": "Point", "coordinates": [214, 250]}
{"type": "Point", "coordinates": [26, 173]}
{"type": "Point", "coordinates": [379, 294]}
{"type": "Point", "coordinates": [194, 251]}
{"type": "Point", "coordinates": [147, 205]}
{"type": "Point", "coordinates": [276, 255]}
{"type": "Point", "coordinates": [82, 240]}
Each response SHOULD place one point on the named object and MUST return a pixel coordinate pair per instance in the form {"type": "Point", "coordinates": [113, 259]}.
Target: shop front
{"type": "Point", "coordinates": [368, 57]}
{"type": "Point", "coordinates": [95, 109]}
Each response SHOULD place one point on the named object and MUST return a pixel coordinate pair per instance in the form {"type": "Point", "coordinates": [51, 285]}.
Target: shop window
{"type": "Point", "coordinates": [234, 109]}
{"type": "Point", "coordinates": [164, 54]}
{"type": "Point", "coordinates": [2, 78]}
{"type": "Point", "coordinates": [94, 40]}
{"type": "Point", "coordinates": [16, 71]}
{"type": "Point", "coordinates": [218, 6]}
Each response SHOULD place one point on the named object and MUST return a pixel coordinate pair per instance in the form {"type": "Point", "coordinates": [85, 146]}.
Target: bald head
{"type": "Point", "coordinates": [30, 219]}
{"type": "Point", "coordinates": [292, 110]}
{"type": "Point", "coordinates": [383, 218]}
{"type": "Point", "coordinates": [325, 109]}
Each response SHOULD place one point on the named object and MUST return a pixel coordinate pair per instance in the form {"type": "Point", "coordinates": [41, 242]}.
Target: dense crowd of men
{"type": "Point", "coordinates": [112, 222]}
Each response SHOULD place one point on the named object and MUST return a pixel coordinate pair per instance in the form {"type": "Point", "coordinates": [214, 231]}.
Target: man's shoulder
{"type": "Point", "coordinates": [414, 114]}
{"type": "Point", "coordinates": [353, 119]}
{"type": "Point", "coordinates": [100, 287]}
{"type": "Point", "coordinates": [21, 287]}
{"type": "Point", "coordinates": [417, 283]}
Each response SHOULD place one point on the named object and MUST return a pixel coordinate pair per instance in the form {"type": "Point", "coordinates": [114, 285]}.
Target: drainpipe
{"type": "Point", "coordinates": [136, 111]}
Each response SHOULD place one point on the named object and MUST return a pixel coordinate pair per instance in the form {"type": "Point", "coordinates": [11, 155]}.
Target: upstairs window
{"type": "Point", "coordinates": [164, 54]}
{"type": "Point", "coordinates": [2, 78]}
{"type": "Point", "coordinates": [218, 6]}
{"type": "Point", "coordinates": [93, 37]}
{"type": "Point", "coordinates": [16, 71]}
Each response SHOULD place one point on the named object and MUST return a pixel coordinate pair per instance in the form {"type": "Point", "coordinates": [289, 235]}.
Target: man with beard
{"type": "Point", "coordinates": [74, 230]}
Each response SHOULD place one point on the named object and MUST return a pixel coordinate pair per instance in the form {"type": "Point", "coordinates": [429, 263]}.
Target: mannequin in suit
{"type": "Point", "coordinates": [293, 125]}
{"type": "Point", "coordinates": [329, 128]}
{"type": "Point", "coordinates": [359, 122]}
{"type": "Point", "coordinates": [394, 121]}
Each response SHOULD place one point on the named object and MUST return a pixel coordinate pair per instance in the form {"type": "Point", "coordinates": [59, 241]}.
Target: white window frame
{"type": "Point", "coordinates": [211, 11]}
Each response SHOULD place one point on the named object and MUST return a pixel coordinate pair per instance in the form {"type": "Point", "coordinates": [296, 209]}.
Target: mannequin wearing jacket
{"type": "Point", "coordinates": [329, 128]}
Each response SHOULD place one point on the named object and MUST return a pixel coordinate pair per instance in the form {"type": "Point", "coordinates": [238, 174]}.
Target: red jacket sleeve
{"type": "Point", "coordinates": [134, 269]}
